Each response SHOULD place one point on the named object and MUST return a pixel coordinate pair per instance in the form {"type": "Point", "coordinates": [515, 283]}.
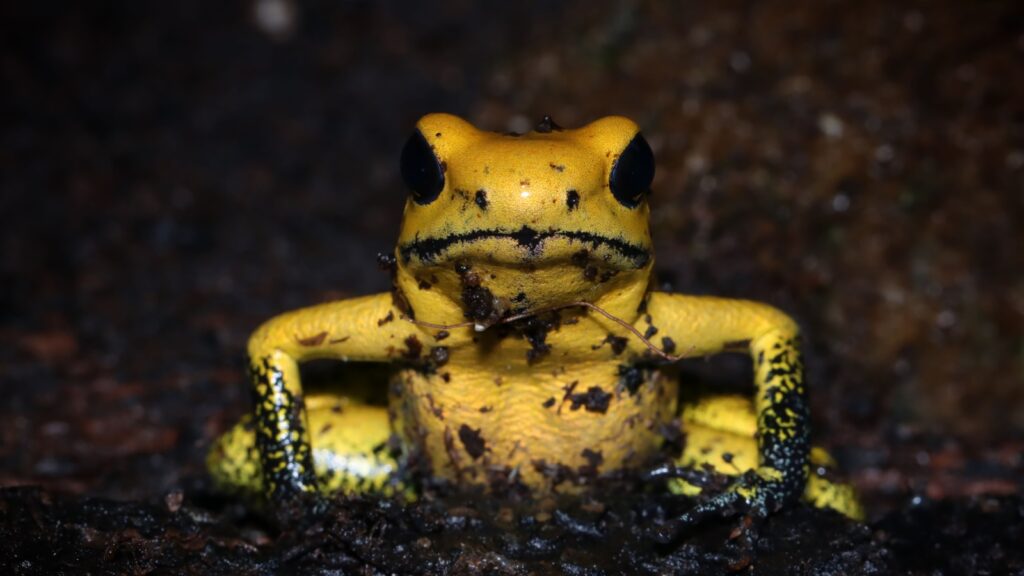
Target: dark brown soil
{"type": "Point", "coordinates": [173, 173]}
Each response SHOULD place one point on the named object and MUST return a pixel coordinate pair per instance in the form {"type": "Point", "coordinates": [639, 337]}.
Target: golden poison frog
{"type": "Point", "coordinates": [529, 340]}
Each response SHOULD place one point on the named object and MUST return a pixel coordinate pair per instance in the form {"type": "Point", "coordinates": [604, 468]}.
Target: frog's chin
{"type": "Point", "coordinates": [482, 284]}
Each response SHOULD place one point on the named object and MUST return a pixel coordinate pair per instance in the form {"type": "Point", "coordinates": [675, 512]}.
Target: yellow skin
{"type": "Point", "coordinates": [506, 379]}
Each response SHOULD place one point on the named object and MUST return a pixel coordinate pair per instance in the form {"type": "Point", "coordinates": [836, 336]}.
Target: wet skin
{"type": "Point", "coordinates": [529, 341]}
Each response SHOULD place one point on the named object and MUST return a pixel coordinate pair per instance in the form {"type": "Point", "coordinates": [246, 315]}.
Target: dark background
{"type": "Point", "coordinates": [173, 173]}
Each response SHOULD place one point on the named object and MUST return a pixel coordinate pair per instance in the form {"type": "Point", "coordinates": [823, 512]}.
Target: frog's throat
{"type": "Point", "coordinates": [428, 249]}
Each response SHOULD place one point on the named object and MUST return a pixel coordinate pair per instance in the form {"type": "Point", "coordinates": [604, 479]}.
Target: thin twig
{"type": "Point", "coordinates": [591, 306]}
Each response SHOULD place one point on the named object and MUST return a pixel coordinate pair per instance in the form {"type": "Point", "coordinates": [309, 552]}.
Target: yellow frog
{"type": "Point", "coordinates": [529, 340]}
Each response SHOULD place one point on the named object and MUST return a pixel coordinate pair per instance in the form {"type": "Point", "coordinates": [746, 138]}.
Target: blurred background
{"type": "Point", "coordinates": [173, 173]}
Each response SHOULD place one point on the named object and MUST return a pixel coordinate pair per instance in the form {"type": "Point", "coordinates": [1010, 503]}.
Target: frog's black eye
{"type": "Point", "coordinates": [421, 170]}
{"type": "Point", "coordinates": [633, 172]}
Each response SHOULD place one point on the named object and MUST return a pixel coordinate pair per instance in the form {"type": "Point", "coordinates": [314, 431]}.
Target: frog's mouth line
{"type": "Point", "coordinates": [428, 249]}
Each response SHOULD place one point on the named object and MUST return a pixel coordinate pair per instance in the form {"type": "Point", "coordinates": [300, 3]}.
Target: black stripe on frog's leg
{"type": "Point", "coordinates": [281, 439]}
{"type": "Point", "coordinates": [783, 421]}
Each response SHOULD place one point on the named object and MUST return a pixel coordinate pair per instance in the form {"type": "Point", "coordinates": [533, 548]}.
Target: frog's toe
{"type": "Point", "coordinates": [725, 504]}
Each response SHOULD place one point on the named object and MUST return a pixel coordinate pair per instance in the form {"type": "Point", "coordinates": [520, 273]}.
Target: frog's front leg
{"type": "Point", "coordinates": [367, 329]}
{"type": "Point", "coordinates": [699, 326]}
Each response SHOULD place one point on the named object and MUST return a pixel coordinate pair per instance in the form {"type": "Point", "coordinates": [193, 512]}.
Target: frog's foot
{"type": "Point", "coordinates": [350, 452]}
{"type": "Point", "coordinates": [754, 495]}
{"type": "Point", "coordinates": [720, 439]}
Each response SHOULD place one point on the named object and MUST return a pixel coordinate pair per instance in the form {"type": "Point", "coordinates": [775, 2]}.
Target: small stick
{"type": "Point", "coordinates": [591, 306]}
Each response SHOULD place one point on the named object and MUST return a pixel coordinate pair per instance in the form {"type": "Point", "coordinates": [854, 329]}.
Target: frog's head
{"type": "Point", "coordinates": [500, 224]}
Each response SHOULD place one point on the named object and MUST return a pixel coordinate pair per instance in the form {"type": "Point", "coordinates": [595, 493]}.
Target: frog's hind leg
{"type": "Point", "coordinates": [720, 433]}
{"type": "Point", "coordinates": [350, 450]}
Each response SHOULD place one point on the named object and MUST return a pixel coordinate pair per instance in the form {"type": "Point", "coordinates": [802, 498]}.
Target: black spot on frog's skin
{"type": "Point", "coordinates": [630, 377]}
{"type": "Point", "coordinates": [642, 308]}
{"type": "Point", "coordinates": [535, 330]}
{"type": "Point", "coordinates": [400, 302]}
{"type": "Point", "coordinates": [441, 335]}
{"type": "Point", "coordinates": [549, 402]}
{"type": "Point", "coordinates": [386, 319]}
{"type": "Point", "coordinates": [618, 343]}
{"type": "Point", "coordinates": [463, 195]}
{"type": "Point", "coordinates": [557, 167]}
{"type": "Point", "coordinates": [519, 298]}
{"type": "Point", "coordinates": [590, 273]}
{"type": "Point", "coordinates": [651, 331]}
{"type": "Point", "coordinates": [529, 238]}
{"type": "Point", "coordinates": [389, 263]}
{"type": "Point", "coordinates": [668, 345]}
{"type": "Point", "coordinates": [537, 335]}
{"type": "Point", "coordinates": [422, 284]}
{"type": "Point", "coordinates": [538, 349]}
{"type": "Point", "coordinates": [313, 340]}
{"type": "Point", "coordinates": [447, 377]}
{"type": "Point", "coordinates": [481, 199]}
{"type": "Point", "coordinates": [547, 125]}
{"type": "Point", "coordinates": [580, 258]}
{"type": "Point", "coordinates": [572, 200]}
{"type": "Point", "coordinates": [439, 356]}
{"type": "Point", "coordinates": [413, 348]}
{"type": "Point", "coordinates": [594, 459]}
{"type": "Point", "coordinates": [472, 441]}
{"type": "Point", "coordinates": [593, 400]}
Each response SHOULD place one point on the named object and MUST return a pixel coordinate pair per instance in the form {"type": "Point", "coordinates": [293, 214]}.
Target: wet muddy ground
{"type": "Point", "coordinates": [172, 174]}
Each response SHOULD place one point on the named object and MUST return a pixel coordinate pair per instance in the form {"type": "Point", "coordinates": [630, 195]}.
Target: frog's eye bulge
{"type": "Point", "coordinates": [633, 173]}
{"type": "Point", "coordinates": [421, 170]}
